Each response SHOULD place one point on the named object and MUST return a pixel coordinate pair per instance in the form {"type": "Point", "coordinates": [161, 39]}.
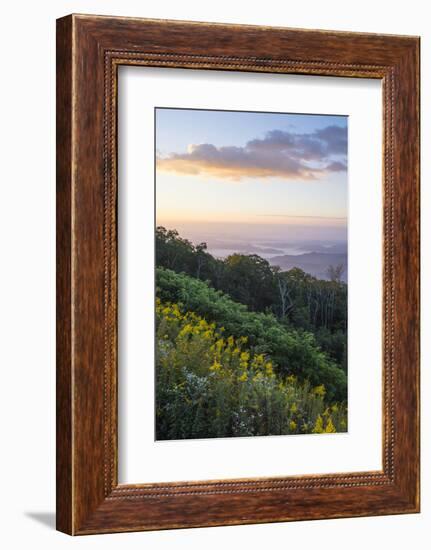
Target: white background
{"type": "Point", "coordinates": [27, 233]}
{"type": "Point", "coordinates": [141, 458]}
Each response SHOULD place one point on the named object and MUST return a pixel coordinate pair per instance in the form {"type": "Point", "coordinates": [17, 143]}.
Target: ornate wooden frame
{"type": "Point", "coordinates": [89, 51]}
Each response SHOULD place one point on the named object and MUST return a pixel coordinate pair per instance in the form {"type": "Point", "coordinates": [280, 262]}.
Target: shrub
{"type": "Point", "coordinates": [209, 384]}
{"type": "Point", "coordinates": [293, 352]}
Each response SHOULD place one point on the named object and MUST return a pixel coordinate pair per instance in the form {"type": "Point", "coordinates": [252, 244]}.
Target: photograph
{"type": "Point", "coordinates": [251, 254]}
{"type": "Point", "coordinates": [237, 272]}
{"type": "Point", "coordinates": [216, 275]}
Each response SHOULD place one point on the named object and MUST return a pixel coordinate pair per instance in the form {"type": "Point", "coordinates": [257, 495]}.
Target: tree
{"type": "Point", "coordinates": [334, 273]}
{"type": "Point", "coordinates": [299, 300]}
{"type": "Point", "coordinates": [294, 352]}
{"type": "Point", "coordinates": [250, 280]}
{"type": "Point", "coordinates": [172, 251]}
{"type": "Point", "coordinates": [284, 290]}
{"type": "Point", "coordinates": [200, 258]}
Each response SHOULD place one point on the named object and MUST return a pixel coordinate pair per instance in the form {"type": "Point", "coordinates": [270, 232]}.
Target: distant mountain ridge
{"type": "Point", "coordinates": [314, 263]}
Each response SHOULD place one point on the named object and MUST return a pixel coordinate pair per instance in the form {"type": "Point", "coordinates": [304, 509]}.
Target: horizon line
{"type": "Point", "coordinates": [276, 219]}
{"type": "Point", "coordinates": [338, 218]}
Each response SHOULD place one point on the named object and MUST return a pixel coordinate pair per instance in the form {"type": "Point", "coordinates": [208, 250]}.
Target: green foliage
{"type": "Point", "coordinates": [249, 279]}
{"type": "Point", "coordinates": [296, 298]}
{"type": "Point", "coordinates": [293, 352]}
{"type": "Point", "coordinates": [334, 344]}
{"type": "Point", "coordinates": [174, 252]}
{"type": "Point", "coordinates": [316, 304]}
{"type": "Point", "coordinates": [212, 385]}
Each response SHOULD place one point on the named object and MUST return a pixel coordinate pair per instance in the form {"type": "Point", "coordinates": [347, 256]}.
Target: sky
{"type": "Point", "coordinates": [251, 169]}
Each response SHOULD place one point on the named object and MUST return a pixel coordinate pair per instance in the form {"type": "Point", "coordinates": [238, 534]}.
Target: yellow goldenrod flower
{"type": "Point", "coordinates": [319, 390]}
{"type": "Point", "coordinates": [195, 352]}
{"type": "Point", "coordinates": [216, 366]}
{"type": "Point", "coordinates": [243, 377]}
{"type": "Point", "coordinates": [330, 428]}
{"type": "Point", "coordinates": [318, 426]}
{"type": "Point", "coordinates": [219, 344]}
{"type": "Point", "coordinates": [244, 356]}
{"type": "Point", "coordinates": [187, 329]}
{"type": "Point", "coordinates": [268, 369]}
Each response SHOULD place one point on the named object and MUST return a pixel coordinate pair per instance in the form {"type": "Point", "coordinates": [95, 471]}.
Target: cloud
{"type": "Point", "coordinates": [280, 154]}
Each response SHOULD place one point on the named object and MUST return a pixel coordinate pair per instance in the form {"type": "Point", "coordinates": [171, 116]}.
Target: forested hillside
{"type": "Point", "coordinates": [244, 348]}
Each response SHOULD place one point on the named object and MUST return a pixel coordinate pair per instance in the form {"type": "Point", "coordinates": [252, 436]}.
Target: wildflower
{"type": "Point", "coordinates": [216, 366]}
{"type": "Point", "coordinates": [219, 344]}
{"type": "Point", "coordinates": [318, 426]}
{"type": "Point", "coordinates": [330, 428]}
{"type": "Point", "coordinates": [194, 356]}
{"type": "Point", "coordinates": [175, 311]}
{"type": "Point", "coordinates": [244, 357]}
{"type": "Point", "coordinates": [319, 391]}
{"type": "Point", "coordinates": [187, 329]}
{"type": "Point", "coordinates": [268, 369]}
{"type": "Point", "coordinates": [243, 377]}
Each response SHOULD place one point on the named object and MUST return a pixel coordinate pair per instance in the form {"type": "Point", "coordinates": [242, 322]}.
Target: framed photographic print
{"type": "Point", "coordinates": [237, 274]}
